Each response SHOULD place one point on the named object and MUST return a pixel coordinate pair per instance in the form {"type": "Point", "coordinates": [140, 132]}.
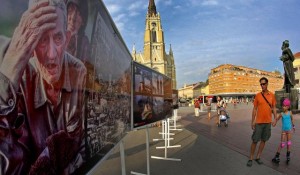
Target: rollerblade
{"type": "Point", "coordinates": [276, 158]}
{"type": "Point", "coordinates": [288, 157]}
{"type": "Point", "coordinates": [226, 124]}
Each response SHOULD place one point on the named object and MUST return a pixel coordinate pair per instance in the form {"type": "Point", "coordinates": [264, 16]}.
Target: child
{"type": "Point", "coordinates": [287, 127]}
{"type": "Point", "coordinates": [222, 118]}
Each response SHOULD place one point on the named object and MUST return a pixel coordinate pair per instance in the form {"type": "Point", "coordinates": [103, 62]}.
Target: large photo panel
{"type": "Point", "coordinates": [66, 85]}
{"type": "Point", "coordinates": [152, 96]}
{"type": "Point", "coordinates": [108, 90]}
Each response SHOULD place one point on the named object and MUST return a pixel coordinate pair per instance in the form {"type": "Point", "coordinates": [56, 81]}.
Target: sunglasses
{"type": "Point", "coordinates": [262, 84]}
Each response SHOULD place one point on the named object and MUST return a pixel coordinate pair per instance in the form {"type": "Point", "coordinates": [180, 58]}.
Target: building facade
{"type": "Point", "coordinates": [187, 91]}
{"type": "Point", "coordinates": [193, 90]}
{"type": "Point", "coordinates": [296, 65]}
{"type": "Point", "coordinates": [227, 79]}
{"type": "Point", "coordinates": [154, 54]}
{"type": "Point", "coordinates": [201, 88]}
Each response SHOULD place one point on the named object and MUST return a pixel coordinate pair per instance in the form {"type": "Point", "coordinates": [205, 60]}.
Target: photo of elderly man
{"type": "Point", "coordinates": [41, 95]}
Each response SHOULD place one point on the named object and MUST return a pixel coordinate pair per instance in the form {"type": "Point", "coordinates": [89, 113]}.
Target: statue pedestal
{"type": "Point", "coordinates": [293, 96]}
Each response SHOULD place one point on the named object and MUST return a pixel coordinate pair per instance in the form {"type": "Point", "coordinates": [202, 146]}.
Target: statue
{"type": "Point", "coordinates": [287, 58]}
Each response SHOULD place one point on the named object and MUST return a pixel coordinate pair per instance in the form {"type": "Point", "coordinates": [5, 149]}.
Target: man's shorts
{"type": "Point", "coordinates": [262, 132]}
{"type": "Point", "coordinates": [208, 108]}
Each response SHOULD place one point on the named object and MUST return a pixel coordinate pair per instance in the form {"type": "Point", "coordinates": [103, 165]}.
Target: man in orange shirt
{"type": "Point", "coordinates": [264, 105]}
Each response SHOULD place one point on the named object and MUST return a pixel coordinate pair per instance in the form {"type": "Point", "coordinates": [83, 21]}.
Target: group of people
{"type": "Point", "coordinates": [264, 106]}
{"type": "Point", "coordinates": [220, 105]}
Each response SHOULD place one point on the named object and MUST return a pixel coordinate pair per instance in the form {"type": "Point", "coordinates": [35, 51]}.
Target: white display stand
{"type": "Point", "coordinates": [147, 154]}
{"type": "Point", "coordinates": [162, 133]}
{"type": "Point", "coordinates": [122, 155]}
{"type": "Point", "coordinates": [202, 107]}
{"type": "Point", "coordinates": [174, 119]}
{"type": "Point", "coordinates": [167, 143]}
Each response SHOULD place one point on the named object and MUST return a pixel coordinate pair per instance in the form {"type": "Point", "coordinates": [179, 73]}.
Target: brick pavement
{"type": "Point", "coordinates": [205, 149]}
{"type": "Point", "coordinates": [237, 136]}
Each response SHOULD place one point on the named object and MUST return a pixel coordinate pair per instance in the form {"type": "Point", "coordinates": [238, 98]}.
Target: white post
{"type": "Point", "coordinates": [148, 154]}
{"type": "Point", "coordinates": [163, 132]}
{"type": "Point", "coordinates": [174, 119]}
{"type": "Point", "coordinates": [167, 137]}
{"type": "Point", "coordinates": [167, 144]}
{"type": "Point", "coordinates": [122, 158]}
{"type": "Point", "coordinates": [148, 151]}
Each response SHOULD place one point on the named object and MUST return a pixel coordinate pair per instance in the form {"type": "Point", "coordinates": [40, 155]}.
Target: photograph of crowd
{"type": "Point", "coordinates": [108, 88]}
{"type": "Point", "coordinates": [154, 103]}
{"type": "Point", "coordinates": [143, 84]}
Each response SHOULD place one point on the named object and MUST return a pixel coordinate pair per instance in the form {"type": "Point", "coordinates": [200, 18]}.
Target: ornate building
{"type": "Point", "coordinates": [227, 78]}
{"type": "Point", "coordinates": [154, 55]}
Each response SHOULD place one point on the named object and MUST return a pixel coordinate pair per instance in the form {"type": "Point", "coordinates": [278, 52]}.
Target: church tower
{"type": "Point", "coordinates": [154, 54]}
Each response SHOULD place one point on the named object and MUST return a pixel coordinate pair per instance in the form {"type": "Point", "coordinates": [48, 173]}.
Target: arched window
{"type": "Point", "coordinates": [153, 36]}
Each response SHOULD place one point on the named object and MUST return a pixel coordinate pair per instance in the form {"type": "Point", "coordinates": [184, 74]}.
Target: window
{"type": "Point", "coordinates": [153, 36]}
{"type": "Point", "coordinates": [295, 69]}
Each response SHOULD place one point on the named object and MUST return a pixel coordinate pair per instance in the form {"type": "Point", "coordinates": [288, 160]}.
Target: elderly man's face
{"type": "Point", "coordinates": [50, 50]}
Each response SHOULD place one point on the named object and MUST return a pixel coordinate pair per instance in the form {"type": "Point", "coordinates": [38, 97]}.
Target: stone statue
{"type": "Point", "coordinates": [287, 58]}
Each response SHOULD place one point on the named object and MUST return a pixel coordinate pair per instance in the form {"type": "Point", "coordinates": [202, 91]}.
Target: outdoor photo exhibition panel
{"type": "Point", "coordinates": [152, 96]}
{"type": "Point", "coordinates": [65, 86]}
{"type": "Point", "coordinates": [108, 94]}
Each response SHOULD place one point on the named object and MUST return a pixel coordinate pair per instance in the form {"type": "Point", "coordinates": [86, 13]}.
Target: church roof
{"type": "Point", "coordinates": [151, 8]}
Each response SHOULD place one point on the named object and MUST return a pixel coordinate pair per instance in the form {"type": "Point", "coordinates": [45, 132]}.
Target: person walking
{"type": "Point", "coordinates": [286, 133]}
{"type": "Point", "coordinates": [197, 107]}
{"type": "Point", "coordinates": [208, 105]}
{"type": "Point", "coordinates": [264, 106]}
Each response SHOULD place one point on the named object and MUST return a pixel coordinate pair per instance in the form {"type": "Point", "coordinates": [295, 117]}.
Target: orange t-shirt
{"type": "Point", "coordinates": [264, 111]}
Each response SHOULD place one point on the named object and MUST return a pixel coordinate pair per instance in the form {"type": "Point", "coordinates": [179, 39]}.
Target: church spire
{"type": "Point", "coordinates": [171, 51]}
{"type": "Point", "coordinates": [151, 8]}
{"type": "Point", "coordinates": [133, 48]}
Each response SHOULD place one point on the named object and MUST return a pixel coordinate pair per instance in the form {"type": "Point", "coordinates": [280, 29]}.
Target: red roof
{"type": "Point", "coordinates": [297, 55]}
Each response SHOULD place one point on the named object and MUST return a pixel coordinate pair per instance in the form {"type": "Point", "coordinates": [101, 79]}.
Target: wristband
{"type": "Point", "coordinates": [294, 127]}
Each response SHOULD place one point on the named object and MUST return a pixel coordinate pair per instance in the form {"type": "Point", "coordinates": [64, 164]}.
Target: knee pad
{"type": "Point", "coordinates": [289, 143]}
{"type": "Point", "coordinates": [282, 144]}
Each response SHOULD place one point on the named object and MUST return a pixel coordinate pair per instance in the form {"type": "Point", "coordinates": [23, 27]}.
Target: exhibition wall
{"type": "Point", "coordinates": [67, 87]}
{"type": "Point", "coordinates": [152, 96]}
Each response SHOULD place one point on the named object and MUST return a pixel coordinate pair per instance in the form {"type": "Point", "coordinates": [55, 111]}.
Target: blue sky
{"type": "Point", "coordinates": [207, 33]}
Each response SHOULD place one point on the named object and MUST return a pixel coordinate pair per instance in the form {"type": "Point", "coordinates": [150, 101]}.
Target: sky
{"type": "Point", "coordinates": [207, 33]}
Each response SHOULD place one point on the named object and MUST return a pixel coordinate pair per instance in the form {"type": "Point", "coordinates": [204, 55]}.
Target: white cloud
{"type": "Point", "coordinates": [113, 8]}
{"type": "Point", "coordinates": [168, 2]}
{"type": "Point", "coordinates": [134, 13]}
{"type": "Point", "coordinates": [210, 3]}
{"type": "Point", "coordinates": [213, 36]}
{"type": "Point", "coordinates": [178, 7]}
{"type": "Point", "coordinates": [157, 2]}
{"type": "Point", "coordinates": [136, 5]}
{"type": "Point", "coordinates": [120, 21]}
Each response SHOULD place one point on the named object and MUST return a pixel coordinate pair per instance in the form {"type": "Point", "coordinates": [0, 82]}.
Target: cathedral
{"type": "Point", "coordinates": [154, 55]}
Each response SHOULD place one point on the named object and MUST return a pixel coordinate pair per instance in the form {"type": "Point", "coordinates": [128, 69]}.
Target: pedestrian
{"type": "Point", "coordinates": [197, 107]}
{"type": "Point", "coordinates": [220, 104]}
{"type": "Point", "coordinates": [208, 105]}
{"type": "Point", "coordinates": [286, 133]}
{"type": "Point", "coordinates": [264, 106]}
